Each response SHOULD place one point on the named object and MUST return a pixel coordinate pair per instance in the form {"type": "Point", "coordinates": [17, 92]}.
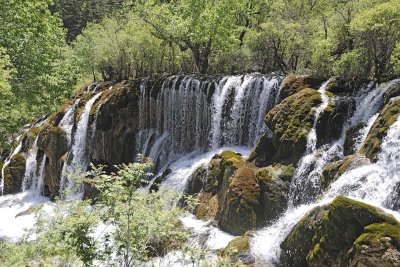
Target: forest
{"type": "Point", "coordinates": [200, 133]}
{"type": "Point", "coordinates": [48, 50]}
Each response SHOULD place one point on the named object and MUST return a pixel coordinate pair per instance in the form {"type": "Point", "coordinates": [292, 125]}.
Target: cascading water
{"type": "Point", "coordinates": [375, 184]}
{"type": "Point", "coordinates": [190, 114]}
{"type": "Point", "coordinates": [30, 176]}
{"type": "Point", "coordinates": [305, 180]}
{"type": "Point", "coordinates": [67, 122]}
{"type": "Point", "coordinates": [79, 159]}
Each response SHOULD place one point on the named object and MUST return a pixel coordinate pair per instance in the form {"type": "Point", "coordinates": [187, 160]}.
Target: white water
{"type": "Point", "coordinates": [305, 181]}
{"type": "Point", "coordinates": [33, 181]}
{"type": "Point", "coordinates": [67, 122]}
{"type": "Point", "coordinates": [374, 184]}
{"type": "Point", "coordinates": [79, 159]}
{"type": "Point", "coordinates": [189, 115]}
{"type": "Point", "coordinates": [13, 227]}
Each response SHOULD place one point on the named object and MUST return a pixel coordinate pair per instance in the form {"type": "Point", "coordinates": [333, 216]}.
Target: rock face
{"type": "Point", "coordinates": [238, 195]}
{"type": "Point", "coordinates": [388, 116]}
{"type": "Point", "coordinates": [343, 232]}
{"type": "Point", "coordinates": [351, 138]}
{"type": "Point", "coordinates": [14, 174]}
{"type": "Point", "coordinates": [116, 125]}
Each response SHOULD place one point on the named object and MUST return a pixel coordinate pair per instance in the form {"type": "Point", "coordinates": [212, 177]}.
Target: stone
{"type": "Point", "coordinates": [14, 174]}
{"type": "Point", "coordinates": [334, 170]}
{"type": "Point", "coordinates": [330, 235]}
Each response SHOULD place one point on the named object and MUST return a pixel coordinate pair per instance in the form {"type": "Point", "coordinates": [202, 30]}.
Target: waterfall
{"type": "Point", "coordinates": [191, 114]}
{"type": "Point", "coordinates": [78, 150]}
{"type": "Point", "coordinates": [67, 122]}
{"type": "Point", "coordinates": [7, 162]}
{"type": "Point", "coordinates": [374, 184]}
{"type": "Point", "coordinates": [31, 167]}
{"type": "Point", "coordinates": [304, 184]}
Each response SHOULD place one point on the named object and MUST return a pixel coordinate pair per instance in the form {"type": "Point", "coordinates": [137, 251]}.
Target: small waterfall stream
{"type": "Point", "coordinates": [78, 162]}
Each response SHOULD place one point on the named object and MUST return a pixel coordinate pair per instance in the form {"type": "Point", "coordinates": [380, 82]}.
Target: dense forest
{"type": "Point", "coordinates": [200, 133]}
{"type": "Point", "coordinates": [49, 49]}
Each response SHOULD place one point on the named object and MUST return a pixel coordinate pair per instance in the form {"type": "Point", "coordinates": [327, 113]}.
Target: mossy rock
{"type": "Point", "coordinates": [208, 206]}
{"type": "Point", "coordinates": [54, 143]}
{"type": "Point", "coordinates": [290, 122]}
{"type": "Point", "coordinates": [372, 145]}
{"type": "Point", "coordinates": [293, 84]}
{"type": "Point", "coordinates": [327, 234]}
{"type": "Point", "coordinates": [239, 201]}
{"type": "Point", "coordinates": [351, 138]}
{"type": "Point", "coordinates": [263, 152]}
{"type": "Point", "coordinates": [274, 184]}
{"type": "Point", "coordinates": [197, 181]}
{"type": "Point", "coordinates": [334, 170]}
{"type": "Point", "coordinates": [14, 174]}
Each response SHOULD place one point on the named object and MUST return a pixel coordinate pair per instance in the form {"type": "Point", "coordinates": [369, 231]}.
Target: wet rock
{"type": "Point", "coordinates": [388, 116]}
{"type": "Point", "coordinates": [262, 152]}
{"type": "Point", "coordinates": [239, 201]}
{"type": "Point", "coordinates": [290, 122]}
{"type": "Point", "coordinates": [54, 143]}
{"type": "Point", "coordinates": [330, 124]}
{"type": "Point", "coordinates": [352, 136]}
{"type": "Point", "coordinates": [197, 181]}
{"type": "Point", "coordinates": [334, 170]}
{"type": "Point", "coordinates": [392, 91]}
{"type": "Point", "coordinates": [14, 174]}
{"type": "Point", "coordinates": [158, 180]}
{"type": "Point", "coordinates": [274, 184]}
{"type": "Point", "coordinates": [330, 235]}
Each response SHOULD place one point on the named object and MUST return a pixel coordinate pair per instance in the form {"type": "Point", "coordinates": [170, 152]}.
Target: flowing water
{"type": "Point", "coordinates": [190, 114]}
{"type": "Point", "coordinates": [376, 184]}
{"type": "Point", "coordinates": [78, 163]}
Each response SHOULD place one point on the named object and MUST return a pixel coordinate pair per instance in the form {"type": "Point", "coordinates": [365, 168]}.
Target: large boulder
{"type": "Point", "coordinates": [392, 91]}
{"type": "Point", "coordinates": [334, 170]}
{"type": "Point", "coordinates": [293, 84]}
{"type": "Point", "coordinates": [14, 174]}
{"type": "Point", "coordinates": [239, 201]}
{"type": "Point", "coordinates": [228, 192]}
{"type": "Point", "coordinates": [274, 184]}
{"type": "Point", "coordinates": [290, 122]}
{"type": "Point", "coordinates": [339, 233]}
{"type": "Point", "coordinates": [372, 145]}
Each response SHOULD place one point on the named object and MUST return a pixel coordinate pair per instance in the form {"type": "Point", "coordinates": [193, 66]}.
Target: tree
{"type": "Point", "coordinates": [376, 31]}
{"type": "Point", "coordinates": [201, 26]}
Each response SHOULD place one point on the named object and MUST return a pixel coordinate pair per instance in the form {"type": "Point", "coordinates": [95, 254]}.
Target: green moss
{"type": "Point", "coordinates": [378, 230]}
{"type": "Point", "coordinates": [232, 158]}
{"type": "Point", "coordinates": [238, 245]}
{"type": "Point", "coordinates": [277, 171]}
{"type": "Point", "coordinates": [388, 116]}
{"type": "Point", "coordinates": [327, 233]}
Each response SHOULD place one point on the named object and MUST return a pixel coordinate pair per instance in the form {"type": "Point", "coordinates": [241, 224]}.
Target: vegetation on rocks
{"type": "Point", "coordinates": [327, 235]}
{"type": "Point", "coordinates": [388, 116]}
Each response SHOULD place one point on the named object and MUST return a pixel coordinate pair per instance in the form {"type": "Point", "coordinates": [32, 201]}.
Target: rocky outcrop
{"type": "Point", "coordinates": [14, 174]}
{"type": "Point", "coordinates": [334, 170]}
{"type": "Point", "coordinates": [274, 184]}
{"type": "Point", "coordinates": [53, 142]}
{"type": "Point", "coordinates": [238, 195]}
{"type": "Point", "coordinates": [341, 233]}
{"type": "Point", "coordinates": [351, 139]}
{"type": "Point", "coordinates": [388, 116]}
